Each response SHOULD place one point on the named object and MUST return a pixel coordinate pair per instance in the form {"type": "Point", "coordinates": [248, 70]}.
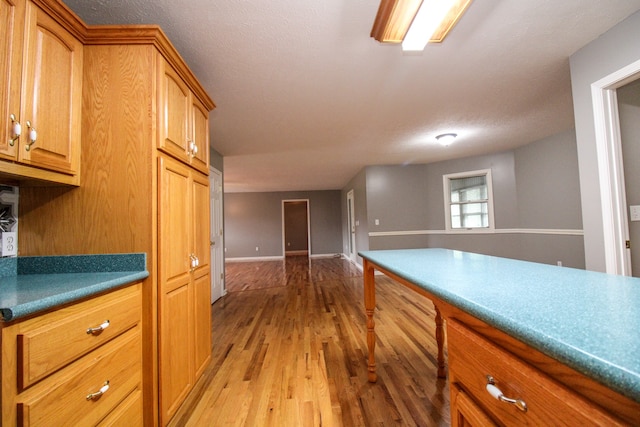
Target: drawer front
{"type": "Point", "coordinates": [67, 402]}
{"type": "Point", "coordinates": [128, 413]}
{"type": "Point", "coordinates": [472, 358]}
{"type": "Point", "coordinates": [48, 343]}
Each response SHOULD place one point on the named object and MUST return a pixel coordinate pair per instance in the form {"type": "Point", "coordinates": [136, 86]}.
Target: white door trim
{"type": "Point", "coordinates": [610, 168]}
{"type": "Point", "coordinates": [217, 263]}
{"type": "Point", "coordinates": [284, 244]}
{"type": "Point", "coordinates": [351, 225]}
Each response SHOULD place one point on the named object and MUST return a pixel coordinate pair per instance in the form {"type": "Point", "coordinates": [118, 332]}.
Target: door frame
{"type": "Point", "coordinates": [610, 167]}
{"type": "Point", "coordinates": [284, 243]}
{"type": "Point", "coordinates": [351, 226]}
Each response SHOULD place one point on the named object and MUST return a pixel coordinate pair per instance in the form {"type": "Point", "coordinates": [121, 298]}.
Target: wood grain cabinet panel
{"type": "Point", "coordinates": [50, 97]}
{"type": "Point", "coordinates": [185, 301]}
{"type": "Point", "coordinates": [472, 358]}
{"type": "Point", "coordinates": [62, 393]}
{"type": "Point", "coordinates": [11, 41]}
{"type": "Point", "coordinates": [184, 120]}
{"type": "Point", "coordinates": [39, 349]}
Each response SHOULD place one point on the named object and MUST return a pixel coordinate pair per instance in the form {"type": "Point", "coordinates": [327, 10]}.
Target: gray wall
{"type": "Point", "coordinates": [629, 108]}
{"type": "Point", "coordinates": [534, 187]}
{"type": "Point", "coordinates": [215, 160]}
{"type": "Point", "coordinates": [610, 52]}
{"type": "Point", "coordinates": [255, 220]}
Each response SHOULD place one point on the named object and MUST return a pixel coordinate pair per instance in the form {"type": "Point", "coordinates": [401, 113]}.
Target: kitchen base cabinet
{"type": "Point", "coordinates": [480, 371]}
{"type": "Point", "coordinates": [91, 378]}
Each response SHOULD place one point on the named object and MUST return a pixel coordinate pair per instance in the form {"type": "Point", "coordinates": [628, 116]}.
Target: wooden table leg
{"type": "Point", "coordinates": [370, 305]}
{"type": "Point", "coordinates": [442, 372]}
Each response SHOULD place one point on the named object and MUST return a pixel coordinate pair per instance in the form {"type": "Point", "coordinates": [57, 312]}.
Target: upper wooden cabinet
{"type": "Point", "coordinates": [11, 45]}
{"type": "Point", "coordinates": [184, 120]}
{"type": "Point", "coordinates": [41, 118]}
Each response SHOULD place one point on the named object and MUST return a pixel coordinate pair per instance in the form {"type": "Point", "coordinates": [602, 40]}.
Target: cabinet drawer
{"type": "Point", "coordinates": [128, 413]}
{"type": "Point", "coordinates": [472, 358]}
{"type": "Point", "coordinates": [65, 401]}
{"type": "Point", "coordinates": [49, 342]}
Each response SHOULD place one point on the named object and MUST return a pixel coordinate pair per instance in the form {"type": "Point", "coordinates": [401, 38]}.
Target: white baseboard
{"type": "Point", "coordinates": [314, 256]}
{"type": "Point", "coordinates": [254, 259]}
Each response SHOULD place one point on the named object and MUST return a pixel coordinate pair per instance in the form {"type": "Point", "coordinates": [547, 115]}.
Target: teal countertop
{"type": "Point", "coordinates": [29, 285]}
{"type": "Point", "coordinates": [587, 320]}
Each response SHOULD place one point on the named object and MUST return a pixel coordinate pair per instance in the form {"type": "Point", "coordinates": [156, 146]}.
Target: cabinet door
{"type": "Point", "coordinates": [174, 100]}
{"type": "Point", "coordinates": [174, 207]}
{"type": "Point", "coordinates": [11, 38]}
{"type": "Point", "coordinates": [176, 354]}
{"type": "Point", "coordinates": [201, 282]}
{"type": "Point", "coordinates": [200, 135]}
{"type": "Point", "coordinates": [175, 306]}
{"type": "Point", "coordinates": [52, 94]}
{"type": "Point", "coordinates": [202, 322]}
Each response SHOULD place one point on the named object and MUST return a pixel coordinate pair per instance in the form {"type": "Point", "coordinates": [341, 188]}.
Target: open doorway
{"type": "Point", "coordinates": [295, 228]}
{"type": "Point", "coordinates": [615, 221]}
{"type": "Point", "coordinates": [629, 113]}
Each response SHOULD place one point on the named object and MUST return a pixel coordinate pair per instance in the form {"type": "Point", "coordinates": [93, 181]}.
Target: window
{"type": "Point", "coordinates": [468, 200]}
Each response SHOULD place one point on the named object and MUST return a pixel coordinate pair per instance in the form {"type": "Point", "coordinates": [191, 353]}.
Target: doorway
{"type": "Point", "coordinates": [296, 234]}
{"type": "Point", "coordinates": [629, 113]}
{"type": "Point", "coordinates": [351, 224]}
{"type": "Point", "coordinates": [216, 234]}
{"type": "Point", "coordinates": [617, 249]}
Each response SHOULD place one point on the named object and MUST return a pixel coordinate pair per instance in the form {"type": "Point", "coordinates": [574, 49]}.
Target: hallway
{"type": "Point", "coordinates": [289, 349]}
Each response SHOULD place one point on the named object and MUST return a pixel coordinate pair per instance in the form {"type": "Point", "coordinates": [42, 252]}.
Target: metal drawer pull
{"type": "Point", "coordinates": [98, 329]}
{"type": "Point", "coordinates": [497, 394]}
{"type": "Point", "coordinates": [99, 393]}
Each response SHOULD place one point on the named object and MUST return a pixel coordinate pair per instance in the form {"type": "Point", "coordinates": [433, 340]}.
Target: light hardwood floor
{"type": "Point", "coordinates": [289, 349]}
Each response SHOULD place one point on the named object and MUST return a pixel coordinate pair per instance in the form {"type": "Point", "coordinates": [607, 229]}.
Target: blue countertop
{"type": "Point", "coordinates": [587, 320]}
{"type": "Point", "coordinates": [29, 285]}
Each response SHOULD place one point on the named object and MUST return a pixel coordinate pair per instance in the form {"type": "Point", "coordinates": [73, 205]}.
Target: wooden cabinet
{"type": "Point", "coordinates": [537, 399]}
{"type": "Point", "coordinates": [42, 107]}
{"type": "Point", "coordinates": [161, 212]}
{"type": "Point", "coordinates": [184, 328]}
{"type": "Point", "coordinates": [79, 365]}
{"type": "Point", "coordinates": [183, 120]}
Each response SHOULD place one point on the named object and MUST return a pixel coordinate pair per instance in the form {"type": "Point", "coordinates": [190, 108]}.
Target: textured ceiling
{"type": "Point", "coordinates": [305, 98]}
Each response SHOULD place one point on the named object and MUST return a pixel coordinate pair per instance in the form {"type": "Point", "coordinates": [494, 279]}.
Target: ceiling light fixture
{"type": "Point", "coordinates": [446, 138]}
{"type": "Point", "coordinates": [432, 19]}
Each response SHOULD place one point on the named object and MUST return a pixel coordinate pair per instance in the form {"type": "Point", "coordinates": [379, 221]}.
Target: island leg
{"type": "Point", "coordinates": [370, 305]}
{"type": "Point", "coordinates": [442, 372]}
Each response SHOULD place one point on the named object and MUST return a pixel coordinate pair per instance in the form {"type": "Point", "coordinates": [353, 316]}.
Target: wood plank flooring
{"type": "Point", "coordinates": [289, 349]}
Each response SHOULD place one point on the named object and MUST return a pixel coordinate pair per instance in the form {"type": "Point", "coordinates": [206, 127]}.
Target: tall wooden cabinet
{"type": "Point", "coordinates": [185, 315]}
{"type": "Point", "coordinates": [41, 95]}
{"type": "Point", "coordinates": [138, 195]}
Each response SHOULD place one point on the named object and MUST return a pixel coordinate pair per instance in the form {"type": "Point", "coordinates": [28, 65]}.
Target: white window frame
{"type": "Point", "coordinates": [447, 201]}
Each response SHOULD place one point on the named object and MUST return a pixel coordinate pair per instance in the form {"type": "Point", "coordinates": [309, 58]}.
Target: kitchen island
{"type": "Point", "coordinates": [575, 330]}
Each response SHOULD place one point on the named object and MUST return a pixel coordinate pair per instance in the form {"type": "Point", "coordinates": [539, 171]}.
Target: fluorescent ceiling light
{"type": "Point", "coordinates": [425, 23]}
{"type": "Point", "coordinates": [396, 16]}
